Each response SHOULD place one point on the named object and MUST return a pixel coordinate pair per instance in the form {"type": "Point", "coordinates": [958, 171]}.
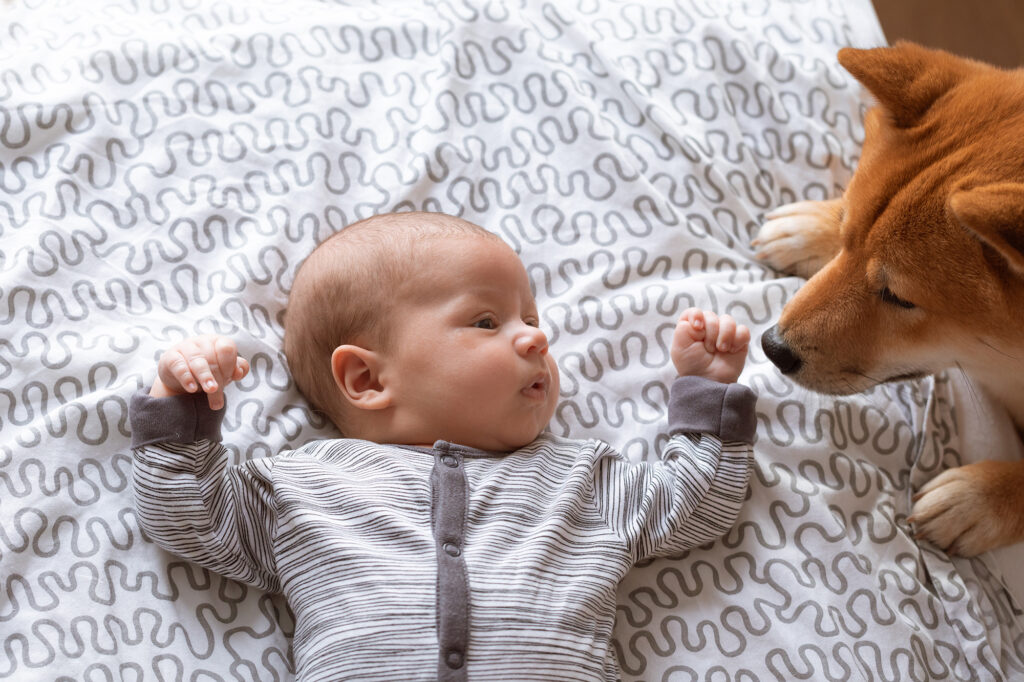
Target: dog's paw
{"type": "Point", "coordinates": [800, 238]}
{"type": "Point", "coordinates": [973, 508]}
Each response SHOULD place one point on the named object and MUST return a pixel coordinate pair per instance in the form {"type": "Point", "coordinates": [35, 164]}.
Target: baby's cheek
{"type": "Point", "coordinates": [553, 392]}
{"type": "Point", "coordinates": [552, 366]}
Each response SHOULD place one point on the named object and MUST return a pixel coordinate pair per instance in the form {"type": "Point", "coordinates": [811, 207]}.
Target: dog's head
{"type": "Point", "coordinates": [930, 273]}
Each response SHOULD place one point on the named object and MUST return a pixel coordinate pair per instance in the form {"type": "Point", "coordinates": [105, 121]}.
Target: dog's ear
{"type": "Point", "coordinates": [995, 213]}
{"type": "Point", "coordinates": [906, 78]}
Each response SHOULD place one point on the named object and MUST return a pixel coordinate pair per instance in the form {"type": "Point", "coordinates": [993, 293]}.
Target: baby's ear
{"type": "Point", "coordinates": [357, 374]}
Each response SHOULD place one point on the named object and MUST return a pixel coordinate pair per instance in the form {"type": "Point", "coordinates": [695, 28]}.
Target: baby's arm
{"type": "Point", "coordinates": [187, 499]}
{"type": "Point", "coordinates": [695, 493]}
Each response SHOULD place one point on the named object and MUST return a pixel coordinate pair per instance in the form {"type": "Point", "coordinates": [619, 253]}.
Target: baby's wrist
{"type": "Point", "coordinates": [160, 390]}
{"type": "Point", "coordinates": [711, 377]}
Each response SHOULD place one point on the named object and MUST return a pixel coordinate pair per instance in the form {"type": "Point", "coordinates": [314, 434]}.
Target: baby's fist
{"type": "Point", "coordinates": [208, 363]}
{"type": "Point", "coordinates": [710, 346]}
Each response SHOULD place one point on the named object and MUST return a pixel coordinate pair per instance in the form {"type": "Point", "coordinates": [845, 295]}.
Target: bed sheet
{"type": "Point", "coordinates": [165, 165]}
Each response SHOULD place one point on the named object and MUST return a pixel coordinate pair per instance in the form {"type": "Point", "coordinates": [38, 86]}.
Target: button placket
{"type": "Point", "coordinates": [450, 495]}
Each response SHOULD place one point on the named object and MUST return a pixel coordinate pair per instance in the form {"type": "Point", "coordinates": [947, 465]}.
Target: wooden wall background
{"type": "Point", "coordinates": [990, 30]}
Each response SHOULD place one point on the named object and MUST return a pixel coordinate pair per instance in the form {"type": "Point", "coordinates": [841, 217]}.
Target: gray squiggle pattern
{"type": "Point", "coordinates": [165, 165]}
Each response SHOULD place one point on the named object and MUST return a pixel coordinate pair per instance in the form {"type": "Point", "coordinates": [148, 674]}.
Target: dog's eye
{"type": "Point", "coordinates": [892, 298]}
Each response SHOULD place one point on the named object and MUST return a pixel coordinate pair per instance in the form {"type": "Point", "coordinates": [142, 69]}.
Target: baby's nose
{"type": "Point", "coordinates": [531, 340]}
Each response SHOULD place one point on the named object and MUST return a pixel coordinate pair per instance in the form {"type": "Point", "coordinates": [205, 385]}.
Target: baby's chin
{"type": "Point", "coordinates": [502, 440]}
{"type": "Point", "coordinates": [490, 433]}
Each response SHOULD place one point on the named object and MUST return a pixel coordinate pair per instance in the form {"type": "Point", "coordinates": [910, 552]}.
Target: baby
{"type": "Point", "coordinates": [447, 536]}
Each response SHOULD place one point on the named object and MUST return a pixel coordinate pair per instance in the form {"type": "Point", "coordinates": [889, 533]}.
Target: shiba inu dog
{"type": "Point", "coordinates": [919, 267]}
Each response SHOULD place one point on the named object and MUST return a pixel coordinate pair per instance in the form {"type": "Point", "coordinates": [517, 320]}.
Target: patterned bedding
{"type": "Point", "coordinates": [165, 165]}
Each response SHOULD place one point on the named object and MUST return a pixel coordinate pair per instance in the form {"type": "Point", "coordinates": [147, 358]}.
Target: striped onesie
{"type": "Point", "coordinates": [450, 563]}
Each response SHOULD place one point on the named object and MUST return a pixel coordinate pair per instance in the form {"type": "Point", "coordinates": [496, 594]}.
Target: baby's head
{"type": "Point", "coordinates": [410, 328]}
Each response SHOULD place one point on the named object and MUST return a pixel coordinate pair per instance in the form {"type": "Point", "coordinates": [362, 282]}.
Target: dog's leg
{"type": "Point", "coordinates": [972, 509]}
{"type": "Point", "coordinates": [800, 238]}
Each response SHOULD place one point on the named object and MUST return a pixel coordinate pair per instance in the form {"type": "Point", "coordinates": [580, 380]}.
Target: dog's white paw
{"type": "Point", "coordinates": [799, 238]}
{"type": "Point", "coordinates": [972, 509]}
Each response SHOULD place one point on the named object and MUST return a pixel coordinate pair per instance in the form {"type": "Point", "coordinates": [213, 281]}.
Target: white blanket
{"type": "Point", "coordinates": [166, 165]}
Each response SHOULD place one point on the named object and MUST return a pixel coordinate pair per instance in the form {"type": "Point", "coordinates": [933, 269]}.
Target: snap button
{"type": "Point", "coordinates": [451, 549]}
{"type": "Point", "coordinates": [450, 460]}
{"type": "Point", "coordinates": [454, 659]}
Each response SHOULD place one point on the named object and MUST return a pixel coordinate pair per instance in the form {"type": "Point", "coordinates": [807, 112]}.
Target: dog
{"type": "Point", "coordinates": [919, 266]}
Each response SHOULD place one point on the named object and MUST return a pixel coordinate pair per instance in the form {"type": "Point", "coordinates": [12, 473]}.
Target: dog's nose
{"type": "Point", "coordinates": [781, 355]}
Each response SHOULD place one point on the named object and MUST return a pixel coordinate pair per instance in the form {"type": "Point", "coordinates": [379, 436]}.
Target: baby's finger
{"type": "Point", "coordinates": [177, 364]}
{"type": "Point", "coordinates": [692, 321]}
{"type": "Point", "coordinates": [742, 339]}
{"type": "Point", "coordinates": [241, 369]}
{"type": "Point", "coordinates": [225, 356]}
{"type": "Point", "coordinates": [710, 338]}
{"type": "Point", "coordinates": [201, 370]}
{"type": "Point", "coordinates": [694, 316]}
{"type": "Point", "coordinates": [726, 334]}
{"type": "Point", "coordinates": [216, 400]}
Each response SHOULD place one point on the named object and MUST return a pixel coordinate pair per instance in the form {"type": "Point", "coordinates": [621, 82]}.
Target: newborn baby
{"type": "Point", "coordinates": [447, 535]}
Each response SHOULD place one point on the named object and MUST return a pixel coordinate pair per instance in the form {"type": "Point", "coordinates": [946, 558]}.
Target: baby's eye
{"type": "Point", "coordinates": [486, 323]}
{"type": "Point", "coordinates": [531, 322]}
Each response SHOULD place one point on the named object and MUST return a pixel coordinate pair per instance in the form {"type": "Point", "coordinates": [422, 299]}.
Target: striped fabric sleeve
{"type": "Point", "coordinates": [695, 493]}
{"type": "Point", "coordinates": [191, 503]}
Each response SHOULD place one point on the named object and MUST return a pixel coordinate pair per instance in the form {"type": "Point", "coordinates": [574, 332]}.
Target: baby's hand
{"type": "Point", "coordinates": [709, 346]}
{"type": "Point", "coordinates": [209, 362]}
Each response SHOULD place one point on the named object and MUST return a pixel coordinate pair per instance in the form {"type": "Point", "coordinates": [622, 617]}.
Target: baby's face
{"type": "Point", "coordinates": [468, 363]}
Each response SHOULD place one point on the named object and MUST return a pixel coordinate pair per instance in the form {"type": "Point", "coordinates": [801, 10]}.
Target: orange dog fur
{"type": "Point", "coordinates": [919, 267]}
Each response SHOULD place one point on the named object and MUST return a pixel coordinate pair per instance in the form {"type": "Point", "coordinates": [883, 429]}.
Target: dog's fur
{"type": "Point", "coordinates": [919, 267]}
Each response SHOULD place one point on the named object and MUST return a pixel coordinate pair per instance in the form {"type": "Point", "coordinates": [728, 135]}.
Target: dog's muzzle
{"type": "Point", "coordinates": [781, 355]}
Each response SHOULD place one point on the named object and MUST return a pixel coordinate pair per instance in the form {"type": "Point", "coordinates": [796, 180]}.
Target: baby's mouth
{"type": "Point", "coordinates": [538, 388]}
